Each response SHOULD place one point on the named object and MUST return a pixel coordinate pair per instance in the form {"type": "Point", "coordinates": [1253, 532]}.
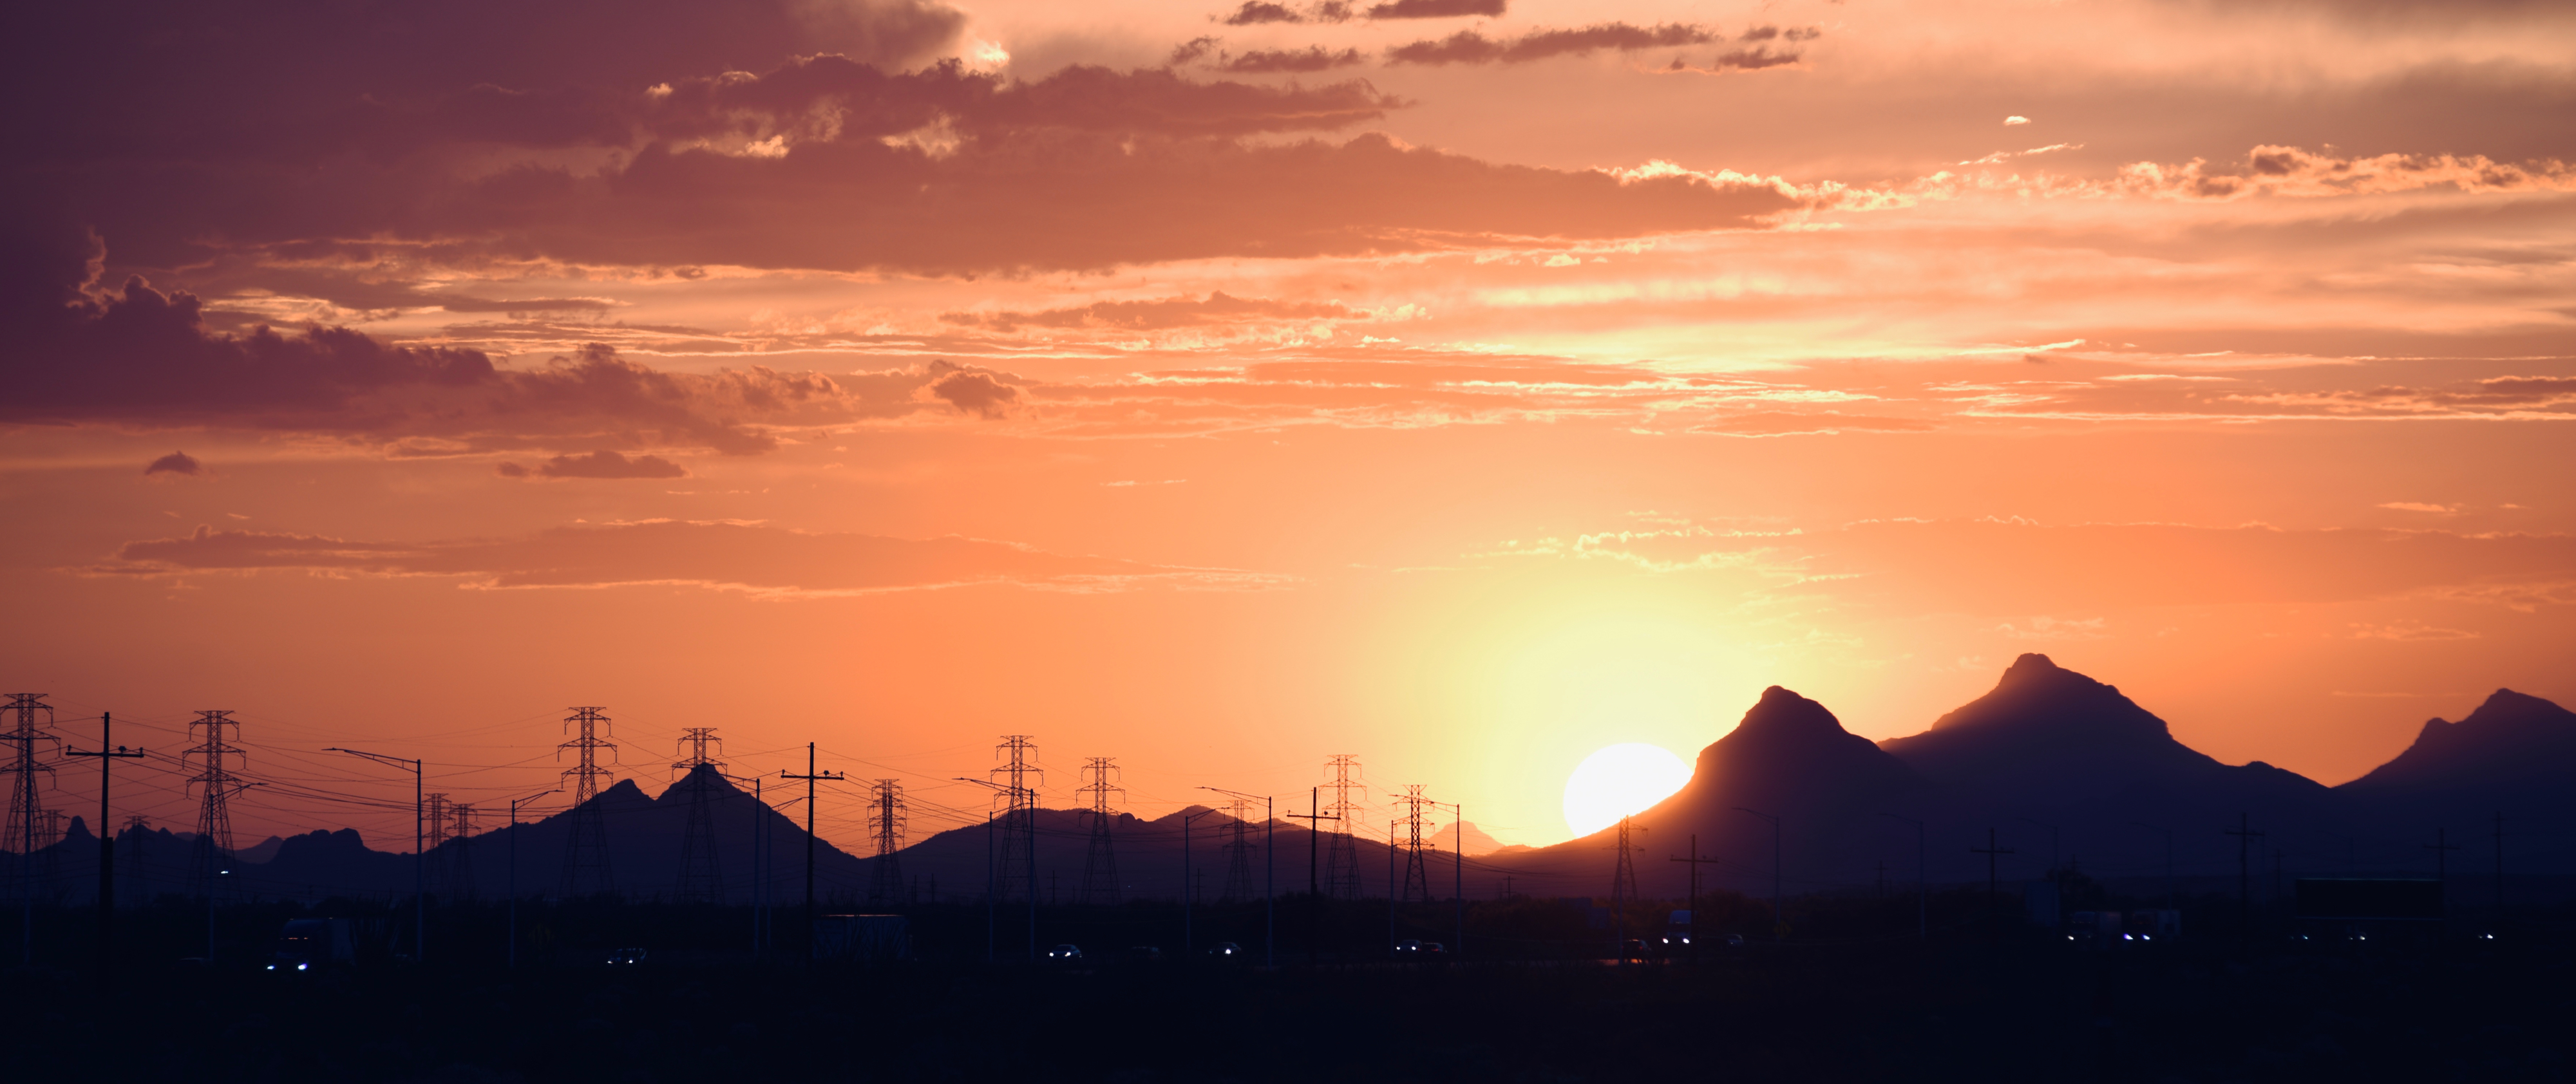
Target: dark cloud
{"type": "Point", "coordinates": [1178, 312]}
{"type": "Point", "coordinates": [1434, 9]}
{"type": "Point", "coordinates": [1189, 51]}
{"type": "Point", "coordinates": [175, 463]}
{"type": "Point", "coordinates": [1257, 12]}
{"type": "Point", "coordinates": [1313, 58]}
{"type": "Point", "coordinates": [139, 357]}
{"type": "Point", "coordinates": [1470, 47]}
{"type": "Point", "coordinates": [718, 555]}
{"type": "Point", "coordinates": [600, 464]}
{"type": "Point", "coordinates": [976, 393]}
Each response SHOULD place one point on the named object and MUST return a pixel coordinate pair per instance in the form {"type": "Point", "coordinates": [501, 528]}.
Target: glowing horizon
{"type": "Point", "coordinates": [1218, 387]}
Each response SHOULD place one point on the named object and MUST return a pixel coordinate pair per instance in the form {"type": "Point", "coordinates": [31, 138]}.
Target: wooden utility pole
{"type": "Point", "coordinates": [107, 848]}
{"type": "Point", "coordinates": [1314, 816]}
{"type": "Point", "coordinates": [810, 777]}
{"type": "Point", "coordinates": [1695, 862]}
{"type": "Point", "coordinates": [2245, 837]}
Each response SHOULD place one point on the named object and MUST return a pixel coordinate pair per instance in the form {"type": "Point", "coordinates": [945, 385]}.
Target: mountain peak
{"type": "Point", "coordinates": [2031, 666]}
{"type": "Point", "coordinates": [1782, 710]}
{"type": "Point", "coordinates": [2511, 740]}
{"type": "Point", "coordinates": [2037, 693]}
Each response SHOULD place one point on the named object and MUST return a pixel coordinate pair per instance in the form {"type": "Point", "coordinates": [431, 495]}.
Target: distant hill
{"type": "Point", "coordinates": [2515, 755]}
{"type": "Point", "coordinates": [2051, 762]}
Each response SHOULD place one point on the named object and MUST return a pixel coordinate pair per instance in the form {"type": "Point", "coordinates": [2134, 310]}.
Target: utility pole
{"type": "Point", "coordinates": [759, 864]}
{"type": "Point", "coordinates": [1269, 874]}
{"type": "Point", "coordinates": [810, 777]}
{"type": "Point", "coordinates": [1020, 804]}
{"type": "Point", "coordinates": [108, 755]}
{"type": "Point", "coordinates": [2173, 898]}
{"type": "Point", "coordinates": [586, 867]}
{"type": "Point", "coordinates": [1458, 869]}
{"type": "Point", "coordinates": [419, 852]}
{"type": "Point", "coordinates": [1100, 859]}
{"type": "Point", "coordinates": [1314, 818]}
{"type": "Point", "coordinates": [515, 803]}
{"type": "Point", "coordinates": [1922, 880]}
{"type": "Point", "coordinates": [2442, 848]}
{"type": "Point", "coordinates": [1188, 897]}
{"type": "Point", "coordinates": [1991, 852]}
{"type": "Point", "coordinates": [1779, 921]}
{"type": "Point", "coordinates": [2245, 837]}
{"type": "Point", "coordinates": [701, 873]}
{"type": "Point", "coordinates": [24, 809]}
{"type": "Point", "coordinates": [1695, 862]}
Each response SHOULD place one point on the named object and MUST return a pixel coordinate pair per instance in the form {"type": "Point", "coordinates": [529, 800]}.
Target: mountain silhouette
{"type": "Point", "coordinates": [2050, 741]}
{"type": "Point", "coordinates": [2514, 755]}
{"type": "Point", "coordinates": [2054, 764]}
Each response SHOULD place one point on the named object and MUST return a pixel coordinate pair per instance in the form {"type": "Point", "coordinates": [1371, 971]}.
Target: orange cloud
{"type": "Point", "coordinates": [728, 556]}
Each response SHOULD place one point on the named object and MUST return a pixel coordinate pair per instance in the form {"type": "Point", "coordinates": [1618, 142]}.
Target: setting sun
{"type": "Point", "coordinates": [1619, 780]}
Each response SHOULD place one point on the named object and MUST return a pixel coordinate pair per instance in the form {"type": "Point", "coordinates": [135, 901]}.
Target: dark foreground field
{"type": "Point", "coordinates": [1967, 1005]}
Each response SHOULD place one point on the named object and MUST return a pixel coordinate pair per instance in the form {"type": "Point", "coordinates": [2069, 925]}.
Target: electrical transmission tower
{"type": "Point", "coordinates": [701, 877]}
{"type": "Point", "coordinates": [1100, 862]}
{"type": "Point", "coordinates": [460, 862]}
{"type": "Point", "coordinates": [25, 812]}
{"type": "Point", "coordinates": [214, 816]}
{"type": "Point", "coordinates": [1238, 849]}
{"type": "Point", "coordinates": [434, 815]}
{"type": "Point", "coordinates": [886, 823]}
{"type": "Point", "coordinates": [1342, 856]}
{"type": "Point", "coordinates": [1020, 821]}
{"type": "Point", "coordinates": [1416, 874]}
{"type": "Point", "coordinates": [586, 869]}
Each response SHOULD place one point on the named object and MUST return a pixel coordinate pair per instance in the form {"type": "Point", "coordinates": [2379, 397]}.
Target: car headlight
{"type": "Point", "coordinates": [272, 967]}
{"type": "Point", "coordinates": [301, 967]}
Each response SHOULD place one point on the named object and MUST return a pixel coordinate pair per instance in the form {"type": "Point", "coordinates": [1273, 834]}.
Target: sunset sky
{"type": "Point", "coordinates": [1219, 387]}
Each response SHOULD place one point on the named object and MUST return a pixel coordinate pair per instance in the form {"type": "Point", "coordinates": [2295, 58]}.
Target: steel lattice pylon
{"type": "Point", "coordinates": [1342, 855]}
{"type": "Point", "coordinates": [1417, 876]}
{"type": "Point", "coordinates": [1019, 818]}
{"type": "Point", "coordinates": [459, 831]}
{"type": "Point", "coordinates": [433, 812]}
{"type": "Point", "coordinates": [1100, 862]}
{"type": "Point", "coordinates": [26, 813]}
{"type": "Point", "coordinates": [1238, 851]}
{"type": "Point", "coordinates": [586, 870]}
{"type": "Point", "coordinates": [214, 817]}
{"type": "Point", "coordinates": [1623, 879]}
{"type": "Point", "coordinates": [701, 876]}
{"type": "Point", "coordinates": [886, 824]}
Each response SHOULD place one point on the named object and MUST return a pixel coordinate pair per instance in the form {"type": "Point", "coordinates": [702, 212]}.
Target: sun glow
{"type": "Point", "coordinates": [1619, 780]}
